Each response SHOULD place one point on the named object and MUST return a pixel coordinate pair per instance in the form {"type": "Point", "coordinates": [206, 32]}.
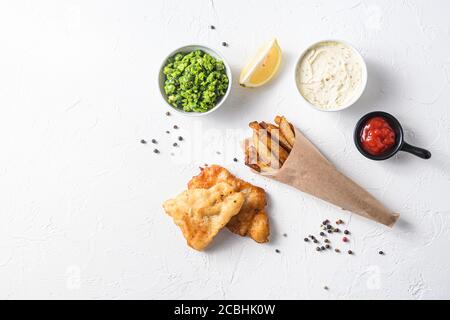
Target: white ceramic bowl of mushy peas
{"type": "Point", "coordinates": [162, 77]}
{"type": "Point", "coordinates": [331, 75]}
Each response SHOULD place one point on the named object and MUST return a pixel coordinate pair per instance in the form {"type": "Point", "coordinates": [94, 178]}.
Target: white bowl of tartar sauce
{"type": "Point", "coordinates": [331, 75]}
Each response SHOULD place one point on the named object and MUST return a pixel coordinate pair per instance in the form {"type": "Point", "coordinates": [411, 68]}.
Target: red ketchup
{"type": "Point", "coordinates": [377, 136]}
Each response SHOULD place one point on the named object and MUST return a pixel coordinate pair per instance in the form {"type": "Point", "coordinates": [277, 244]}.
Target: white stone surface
{"type": "Point", "coordinates": [80, 197]}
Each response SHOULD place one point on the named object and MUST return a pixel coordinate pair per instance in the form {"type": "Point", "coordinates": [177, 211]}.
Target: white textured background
{"type": "Point", "coordinates": [80, 197]}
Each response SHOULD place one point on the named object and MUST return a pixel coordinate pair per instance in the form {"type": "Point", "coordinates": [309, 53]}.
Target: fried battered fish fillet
{"type": "Point", "coordinates": [202, 213]}
{"type": "Point", "coordinates": [252, 220]}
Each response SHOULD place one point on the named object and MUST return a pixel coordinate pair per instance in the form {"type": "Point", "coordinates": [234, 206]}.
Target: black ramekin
{"type": "Point", "coordinates": [400, 144]}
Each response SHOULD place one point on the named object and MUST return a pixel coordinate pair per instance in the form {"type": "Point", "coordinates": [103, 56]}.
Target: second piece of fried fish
{"type": "Point", "coordinates": [201, 213]}
{"type": "Point", "coordinates": [252, 219]}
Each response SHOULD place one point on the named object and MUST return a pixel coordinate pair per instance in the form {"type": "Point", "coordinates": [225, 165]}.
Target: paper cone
{"type": "Point", "coordinates": [309, 171]}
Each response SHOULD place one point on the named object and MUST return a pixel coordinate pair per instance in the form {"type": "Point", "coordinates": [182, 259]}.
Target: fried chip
{"type": "Point", "coordinates": [201, 213]}
{"type": "Point", "coordinates": [252, 220]}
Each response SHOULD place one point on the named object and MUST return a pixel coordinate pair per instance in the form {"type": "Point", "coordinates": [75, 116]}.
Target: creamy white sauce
{"type": "Point", "coordinates": [329, 75]}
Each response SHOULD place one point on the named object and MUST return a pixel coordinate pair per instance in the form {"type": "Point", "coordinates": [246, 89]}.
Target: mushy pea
{"type": "Point", "coordinates": [195, 81]}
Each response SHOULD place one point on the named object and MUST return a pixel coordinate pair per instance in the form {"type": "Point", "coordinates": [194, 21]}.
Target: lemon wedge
{"type": "Point", "coordinates": [262, 67]}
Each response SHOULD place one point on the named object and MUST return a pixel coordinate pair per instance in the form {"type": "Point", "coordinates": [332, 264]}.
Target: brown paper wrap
{"type": "Point", "coordinates": [307, 170]}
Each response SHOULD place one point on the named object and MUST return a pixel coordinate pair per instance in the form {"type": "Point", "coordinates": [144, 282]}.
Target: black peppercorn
{"type": "Point", "coordinates": [322, 234]}
{"type": "Point", "coordinates": [154, 141]}
{"type": "Point", "coordinates": [306, 239]}
{"type": "Point", "coordinates": [277, 251]}
{"type": "Point", "coordinates": [175, 144]}
{"type": "Point", "coordinates": [212, 27]}
{"type": "Point", "coordinates": [346, 232]}
{"type": "Point", "coordinates": [224, 44]}
{"type": "Point", "coordinates": [328, 246]}
{"type": "Point", "coordinates": [235, 160]}
{"type": "Point", "coordinates": [180, 138]}
{"type": "Point", "coordinates": [381, 252]}
{"type": "Point", "coordinates": [322, 248]}
{"type": "Point", "coordinates": [175, 127]}
{"type": "Point", "coordinates": [318, 249]}
{"type": "Point", "coordinates": [350, 252]}
{"type": "Point", "coordinates": [156, 151]}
